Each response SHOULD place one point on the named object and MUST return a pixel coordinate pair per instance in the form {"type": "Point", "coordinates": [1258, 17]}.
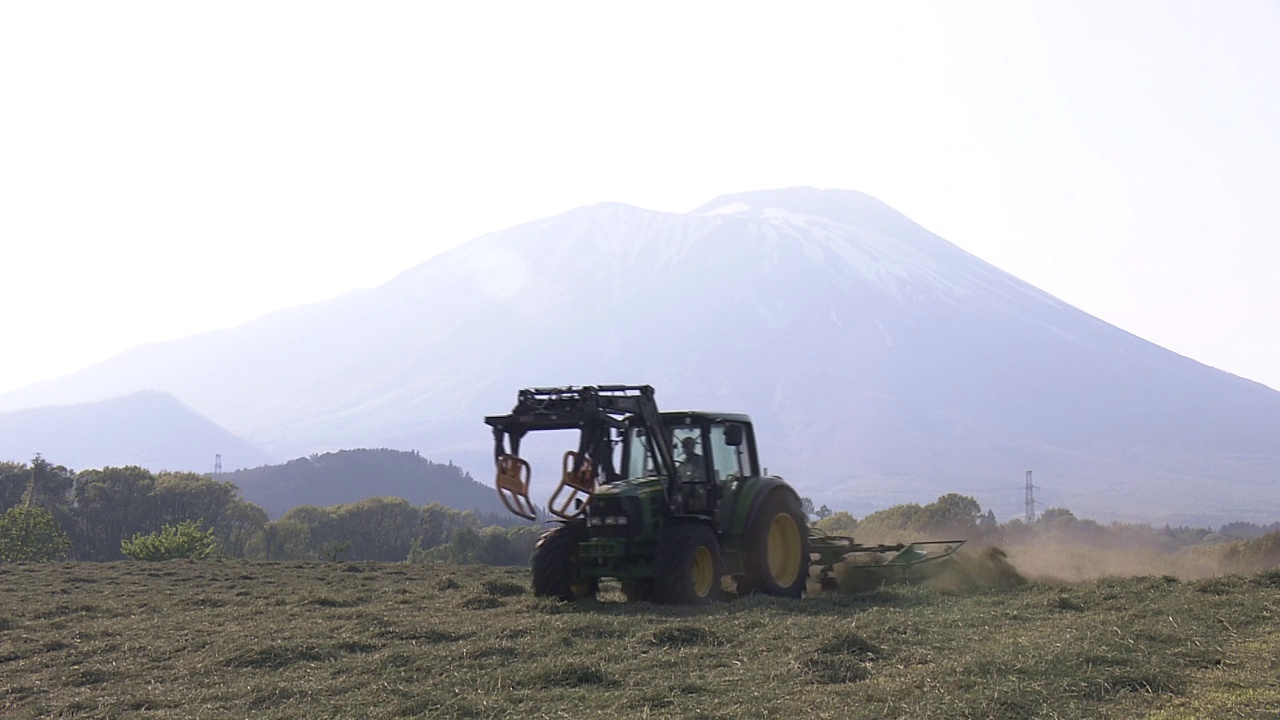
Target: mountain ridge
{"type": "Point", "coordinates": [147, 428]}
{"type": "Point", "coordinates": [876, 357]}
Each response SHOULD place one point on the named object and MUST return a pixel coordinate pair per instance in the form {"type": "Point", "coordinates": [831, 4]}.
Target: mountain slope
{"type": "Point", "coordinates": [882, 363]}
{"type": "Point", "coordinates": [147, 428]}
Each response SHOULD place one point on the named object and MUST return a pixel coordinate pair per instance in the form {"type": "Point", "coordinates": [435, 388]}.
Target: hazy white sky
{"type": "Point", "coordinates": [171, 168]}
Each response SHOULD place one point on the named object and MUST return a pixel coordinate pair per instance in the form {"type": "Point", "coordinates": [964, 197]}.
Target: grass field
{"type": "Point", "coordinates": [221, 639]}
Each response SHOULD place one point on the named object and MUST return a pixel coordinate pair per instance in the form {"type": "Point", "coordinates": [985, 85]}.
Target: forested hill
{"type": "Point", "coordinates": [349, 476]}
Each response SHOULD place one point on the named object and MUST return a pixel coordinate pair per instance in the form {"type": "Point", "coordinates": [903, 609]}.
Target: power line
{"type": "Point", "coordinates": [877, 491]}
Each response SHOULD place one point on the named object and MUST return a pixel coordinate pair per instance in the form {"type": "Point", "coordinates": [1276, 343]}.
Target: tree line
{"type": "Point", "coordinates": [1057, 539]}
{"type": "Point", "coordinates": [98, 511]}
{"type": "Point", "coordinates": [50, 512]}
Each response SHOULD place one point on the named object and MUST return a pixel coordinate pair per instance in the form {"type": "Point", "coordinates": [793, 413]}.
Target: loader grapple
{"type": "Point", "coordinates": [513, 486]}
{"type": "Point", "coordinates": [577, 483]}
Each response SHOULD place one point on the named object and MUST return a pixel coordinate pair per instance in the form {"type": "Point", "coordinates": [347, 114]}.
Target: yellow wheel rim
{"type": "Point", "coordinates": [783, 549]}
{"type": "Point", "coordinates": [704, 571]}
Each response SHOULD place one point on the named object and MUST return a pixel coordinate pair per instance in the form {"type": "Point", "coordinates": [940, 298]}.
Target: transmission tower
{"type": "Point", "coordinates": [1031, 500]}
{"type": "Point", "coordinates": [217, 464]}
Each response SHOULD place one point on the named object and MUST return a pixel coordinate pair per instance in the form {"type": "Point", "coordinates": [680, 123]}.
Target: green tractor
{"type": "Point", "coordinates": [668, 503]}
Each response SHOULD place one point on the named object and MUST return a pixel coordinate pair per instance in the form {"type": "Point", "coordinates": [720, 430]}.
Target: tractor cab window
{"type": "Point", "coordinates": [728, 461]}
{"type": "Point", "coordinates": [687, 450]}
{"type": "Point", "coordinates": [639, 455]}
{"type": "Point", "coordinates": [700, 452]}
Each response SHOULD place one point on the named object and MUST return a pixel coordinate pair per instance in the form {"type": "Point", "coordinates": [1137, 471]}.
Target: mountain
{"type": "Point", "coordinates": [146, 428]}
{"type": "Point", "coordinates": [352, 475]}
{"type": "Point", "coordinates": [882, 364]}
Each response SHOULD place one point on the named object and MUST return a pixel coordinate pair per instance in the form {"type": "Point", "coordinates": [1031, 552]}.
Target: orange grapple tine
{"type": "Point", "coordinates": [579, 483]}
{"type": "Point", "coordinates": [512, 482]}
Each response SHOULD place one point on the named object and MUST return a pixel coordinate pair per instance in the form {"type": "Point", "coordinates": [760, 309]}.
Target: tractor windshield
{"type": "Point", "coordinates": [686, 451]}
{"type": "Point", "coordinates": [639, 454]}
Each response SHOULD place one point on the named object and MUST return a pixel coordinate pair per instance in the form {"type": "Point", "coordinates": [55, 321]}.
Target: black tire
{"type": "Point", "coordinates": [555, 562]}
{"type": "Point", "coordinates": [688, 566]}
{"type": "Point", "coordinates": [638, 590]}
{"type": "Point", "coordinates": [781, 570]}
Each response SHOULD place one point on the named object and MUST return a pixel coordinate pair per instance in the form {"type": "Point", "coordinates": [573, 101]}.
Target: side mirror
{"type": "Point", "coordinates": [734, 434]}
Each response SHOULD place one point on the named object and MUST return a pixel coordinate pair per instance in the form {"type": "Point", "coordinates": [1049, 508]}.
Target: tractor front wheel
{"type": "Point", "coordinates": [555, 561]}
{"type": "Point", "coordinates": [638, 590]}
{"type": "Point", "coordinates": [688, 566]}
{"type": "Point", "coordinates": [776, 548]}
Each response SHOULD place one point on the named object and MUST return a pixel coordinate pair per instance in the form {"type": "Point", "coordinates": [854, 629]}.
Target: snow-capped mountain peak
{"type": "Point", "coordinates": [873, 354]}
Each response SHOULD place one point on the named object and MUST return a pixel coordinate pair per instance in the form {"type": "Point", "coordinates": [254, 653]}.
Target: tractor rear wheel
{"type": "Point", "coordinates": [776, 548]}
{"type": "Point", "coordinates": [688, 566]}
{"type": "Point", "coordinates": [555, 560]}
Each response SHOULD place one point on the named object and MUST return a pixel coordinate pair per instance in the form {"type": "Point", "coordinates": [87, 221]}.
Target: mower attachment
{"type": "Point", "coordinates": [513, 486]}
{"type": "Point", "coordinates": [579, 483]}
{"type": "Point", "coordinates": [869, 566]}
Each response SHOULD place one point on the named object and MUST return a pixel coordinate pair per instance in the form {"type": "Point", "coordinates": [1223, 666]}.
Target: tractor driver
{"type": "Point", "coordinates": [693, 475]}
{"type": "Point", "coordinates": [692, 468]}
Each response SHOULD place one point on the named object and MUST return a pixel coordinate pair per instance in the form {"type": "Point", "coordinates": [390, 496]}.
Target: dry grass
{"type": "Point", "coordinates": [316, 640]}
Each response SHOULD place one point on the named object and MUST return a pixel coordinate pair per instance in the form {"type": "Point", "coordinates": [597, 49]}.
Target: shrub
{"type": "Point", "coordinates": [30, 534]}
{"type": "Point", "coordinates": [174, 542]}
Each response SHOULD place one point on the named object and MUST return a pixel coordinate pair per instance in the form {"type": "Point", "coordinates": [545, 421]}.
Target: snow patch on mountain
{"type": "Point", "coordinates": [733, 208]}
{"type": "Point", "coordinates": [869, 240]}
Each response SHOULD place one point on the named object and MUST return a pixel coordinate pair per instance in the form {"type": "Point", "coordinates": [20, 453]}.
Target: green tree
{"type": "Point", "coordinates": [491, 545]}
{"type": "Point", "coordinates": [319, 523]}
{"type": "Point", "coordinates": [1057, 515]}
{"type": "Point", "coordinates": [285, 539]}
{"type": "Point", "coordinates": [50, 485]}
{"type": "Point", "coordinates": [838, 523]}
{"type": "Point", "coordinates": [377, 528]}
{"type": "Point", "coordinates": [242, 529]}
{"type": "Point", "coordinates": [40, 484]}
{"type": "Point", "coordinates": [439, 523]}
{"type": "Point", "coordinates": [30, 534]}
{"type": "Point", "coordinates": [14, 478]}
{"type": "Point", "coordinates": [110, 504]}
{"type": "Point", "coordinates": [173, 542]}
{"type": "Point", "coordinates": [952, 511]}
{"type": "Point", "coordinates": [887, 523]}
{"type": "Point", "coordinates": [179, 496]}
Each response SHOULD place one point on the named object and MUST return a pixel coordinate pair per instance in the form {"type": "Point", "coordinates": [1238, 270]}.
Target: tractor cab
{"type": "Point", "coordinates": [708, 450]}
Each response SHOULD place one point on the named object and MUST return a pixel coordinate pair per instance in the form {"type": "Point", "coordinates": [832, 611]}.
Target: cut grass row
{"type": "Point", "coordinates": [251, 639]}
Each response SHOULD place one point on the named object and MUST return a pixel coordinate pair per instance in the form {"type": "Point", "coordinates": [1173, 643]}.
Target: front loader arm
{"type": "Point", "coordinates": [595, 411]}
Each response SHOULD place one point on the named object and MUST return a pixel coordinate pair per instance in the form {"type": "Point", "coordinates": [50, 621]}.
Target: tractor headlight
{"type": "Point", "coordinates": [613, 516]}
